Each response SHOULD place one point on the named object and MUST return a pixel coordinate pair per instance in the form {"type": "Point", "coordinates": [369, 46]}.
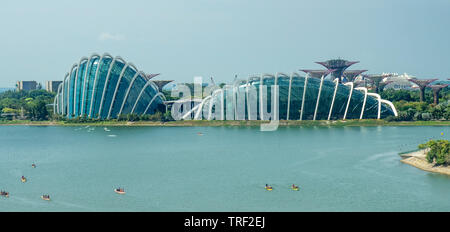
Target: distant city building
{"type": "Point", "coordinates": [26, 85]}
{"type": "Point", "coordinates": [52, 86]}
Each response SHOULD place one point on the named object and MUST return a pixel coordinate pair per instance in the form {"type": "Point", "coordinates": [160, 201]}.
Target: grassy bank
{"type": "Point", "coordinates": [205, 123]}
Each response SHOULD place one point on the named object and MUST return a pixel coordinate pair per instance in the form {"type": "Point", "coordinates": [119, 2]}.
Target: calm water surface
{"type": "Point", "coordinates": [225, 169]}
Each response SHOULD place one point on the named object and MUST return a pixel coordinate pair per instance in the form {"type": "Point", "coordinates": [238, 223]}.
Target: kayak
{"type": "Point", "coordinates": [5, 195]}
{"type": "Point", "coordinates": [119, 192]}
{"type": "Point", "coordinates": [45, 198]}
{"type": "Point", "coordinates": [296, 189]}
{"type": "Point", "coordinates": [24, 180]}
{"type": "Point", "coordinates": [269, 188]}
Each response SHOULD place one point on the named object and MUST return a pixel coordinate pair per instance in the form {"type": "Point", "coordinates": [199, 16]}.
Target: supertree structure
{"type": "Point", "coordinates": [338, 66]}
{"type": "Point", "coordinates": [436, 89]}
{"type": "Point", "coordinates": [377, 79]}
{"type": "Point", "coordinates": [350, 75]}
{"type": "Point", "coordinates": [422, 83]}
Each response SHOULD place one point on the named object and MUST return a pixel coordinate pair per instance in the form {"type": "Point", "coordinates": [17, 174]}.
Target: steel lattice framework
{"type": "Point", "coordinates": [300, 98]}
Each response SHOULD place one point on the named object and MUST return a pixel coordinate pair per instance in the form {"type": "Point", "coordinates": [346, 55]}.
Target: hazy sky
{"type": "Point", "coordinates": [40, 40]}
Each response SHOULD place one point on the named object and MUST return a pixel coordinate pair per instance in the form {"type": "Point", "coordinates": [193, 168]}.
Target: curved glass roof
{"type": "Point", "coordinates": [104, 87]}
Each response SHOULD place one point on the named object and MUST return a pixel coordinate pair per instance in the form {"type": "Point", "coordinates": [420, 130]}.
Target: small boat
{"type": "Point", "coordinates": [119, 191]}
{"type": "Point", "coordinates": [45, 197]}
{"type": "Point", "coordinates": [23, 179]}
{"type": "Point", "coordinates": [106, 129]}
{"type": "Point", "coordinates": [4, 194]}
{"type": "Point", "coordinates": [296, 188]}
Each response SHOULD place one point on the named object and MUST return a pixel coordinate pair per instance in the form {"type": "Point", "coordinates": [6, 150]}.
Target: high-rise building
{"type": "Point", "coordinates": [52, 86]}
{"type": "Point", "coordinates": [26, 85]}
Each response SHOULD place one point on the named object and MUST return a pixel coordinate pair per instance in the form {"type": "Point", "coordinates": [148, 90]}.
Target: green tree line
{"type": "Point", "coordinates": [410, 108]}
{"type": "Point", "coordinates": [34, 105]}
{"type": "Point", "coordinates": [439, 152]}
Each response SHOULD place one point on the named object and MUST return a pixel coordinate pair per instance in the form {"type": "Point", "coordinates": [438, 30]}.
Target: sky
{"type": "Point", "coordinates": [41, 40]}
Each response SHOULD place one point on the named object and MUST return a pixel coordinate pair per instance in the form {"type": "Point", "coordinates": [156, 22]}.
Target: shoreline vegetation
{"type": "Point", "coordinates": [419, 160]}
{"type": "Point", "coordinates": [214, 123]}
{"type": "Point", "coordinates": [432, 156]}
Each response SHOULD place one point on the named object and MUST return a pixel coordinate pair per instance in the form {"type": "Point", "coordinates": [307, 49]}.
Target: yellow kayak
{"type": "Point", "coordinates": [296, 189]}
{"type": "Point", "coordinates": [269, 188]}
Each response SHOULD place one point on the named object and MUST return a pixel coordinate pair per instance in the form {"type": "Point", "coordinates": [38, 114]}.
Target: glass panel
{"type": "Point", "coordinates": [283, 88]}
{"type": "Point", "coordinates": [121, 91]}
{"type": "Point", "coordinates": [136, 88]}
{"type": "Point", "coordinates": [256, 82]}
{"type": "Point", "coordinates": [111, 87]}
{"type": "Point", "coordinates": [157, 105]}
{"type": "Point", "coordinates": [98, 89]}
{"type": "Point", "coordinates": [386, 111]}
{"type": "Point", "coordinates": [312, 91]}
{"type": "Point", "coordinates": [93, 64]}
{"type": "Point", "coordinates": [79, 89]}
{"type": "Point", "coordinates": [326, 97]}
{"type": "Point", "coordinates": [356, 103]}
{"type": "Point", "coordinates": [70, 89]}
{"type": "Point", "coordinates": [145, 99]}
{"type": "Point", "coordinates": [371, 110]}
{"type": "Point", "coordinates": [297, 87]}
{"type": "Point", "coordinates": [340, 102]}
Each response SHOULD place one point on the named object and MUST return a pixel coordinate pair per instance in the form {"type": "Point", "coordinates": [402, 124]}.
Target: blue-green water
{"type": "Point", "coordinates": [175, 169]}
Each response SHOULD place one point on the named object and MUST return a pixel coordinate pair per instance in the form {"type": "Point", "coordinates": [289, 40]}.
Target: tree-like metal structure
{"type": "Point", "coordinates": [161, 83]}
{"type": "Point", "coordinates": [338, 66]}
{"type": "Point", "coordinates": [377, 79]}
{"type": "Point", "coordinates": [422, 83]}
{"type": "Point", "coordinates": [350, 75]}
{"type": "Point", "coordinates": [436, 89]}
